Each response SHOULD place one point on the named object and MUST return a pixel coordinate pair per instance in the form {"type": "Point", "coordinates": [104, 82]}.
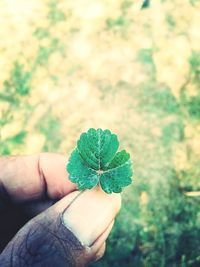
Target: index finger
{"type": "Point", "coordinates": [32, 177]}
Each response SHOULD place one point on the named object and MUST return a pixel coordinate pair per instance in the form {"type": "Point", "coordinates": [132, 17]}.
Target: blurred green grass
{"type": "Point", "coordinates": [135, 71]}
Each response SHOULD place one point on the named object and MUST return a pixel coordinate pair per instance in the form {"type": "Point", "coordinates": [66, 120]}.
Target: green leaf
{"type": "Point", "coordinates": [84, 176]}
{"type": "Point", "coordinates": [119, 159]}
{"type": "Point", "coordinates": [145, 4]}
{"type": "Point", "coordinates": [96, 161]}
{"type": "Point", "coordinates": [97, 148]}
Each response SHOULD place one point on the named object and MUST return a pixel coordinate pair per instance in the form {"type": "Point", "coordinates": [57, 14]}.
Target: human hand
{"type": "Point", "coordinates": [71, 226]}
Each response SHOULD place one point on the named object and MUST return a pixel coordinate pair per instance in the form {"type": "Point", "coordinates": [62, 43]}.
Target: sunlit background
{"type": "Point", "coordinates": [132, 67]}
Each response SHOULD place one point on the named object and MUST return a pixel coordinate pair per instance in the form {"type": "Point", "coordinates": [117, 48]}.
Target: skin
{"type": "Point", "coordinates": [43, 217]}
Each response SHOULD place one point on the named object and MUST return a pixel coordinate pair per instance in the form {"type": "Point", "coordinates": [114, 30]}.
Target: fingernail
{"type": "Point", "coordinates": [90, 214]}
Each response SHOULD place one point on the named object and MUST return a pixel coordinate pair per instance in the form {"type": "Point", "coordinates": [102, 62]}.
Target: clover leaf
{"type": "Point", "coordinates": [95, 161]}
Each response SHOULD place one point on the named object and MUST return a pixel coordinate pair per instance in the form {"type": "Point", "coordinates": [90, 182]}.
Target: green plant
{"type": "Point", "coordinates": [173, 132]}
{"type": "Point", "coordinates": [145, 56]}
{"type": "Point", "coordinates": [55, 15]}
{"type": "Point", "coordinates": [194, 107]}
{"type": "Point", "coordinates": [146, 4]}
{"type": "Point", "coordinates": [17, 85]}
{"type": "Point", "coordinates": [17, 88]}
{"type": "Point", "coordinates": [194, 62]}
{"type": "Point", "coordinates": [96, 160]}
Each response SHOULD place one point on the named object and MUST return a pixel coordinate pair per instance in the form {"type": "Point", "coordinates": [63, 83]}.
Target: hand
{"type": "Point", "coordinates": [70, 228]}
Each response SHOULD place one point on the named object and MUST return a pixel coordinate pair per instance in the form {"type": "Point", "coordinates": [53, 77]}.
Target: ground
{"type": "Point", "coordinates": [67, 66]}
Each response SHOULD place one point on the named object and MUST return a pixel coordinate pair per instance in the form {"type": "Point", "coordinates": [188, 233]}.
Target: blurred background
{"type": "Point", "coordinates": [132, 67]}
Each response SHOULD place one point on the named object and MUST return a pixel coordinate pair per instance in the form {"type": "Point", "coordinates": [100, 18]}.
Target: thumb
{"type": "Point", "coordinates": [72, 232]}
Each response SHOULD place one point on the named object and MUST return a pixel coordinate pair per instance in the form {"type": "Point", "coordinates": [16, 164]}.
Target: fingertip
{"type": "Point", "coordinates": [114, 199]}
{"type": "Point", "coordinates": [101, 238]}
{"type": "Point", "coordinates": [91, 213]}
{"type": "Point", "coordinates": [100, 252]}
{"type": "Point", "coordinates": [117, 202]}
{"type": "Point", "coordinates": [53, 171]}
